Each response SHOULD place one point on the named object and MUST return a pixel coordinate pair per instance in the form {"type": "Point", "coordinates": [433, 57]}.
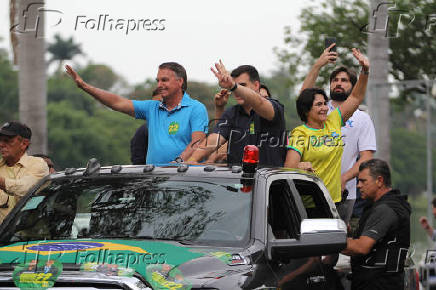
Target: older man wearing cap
{"type": "Point", "coordinates": [18, 171]}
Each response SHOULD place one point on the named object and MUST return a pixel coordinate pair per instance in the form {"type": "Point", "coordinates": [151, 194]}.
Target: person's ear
{"type": "Point", "coordinates": [25, 142]}
{"type": "Point", "coordinates": [257, 86]}
{"type": "Point", "coordinates": [379, 181]}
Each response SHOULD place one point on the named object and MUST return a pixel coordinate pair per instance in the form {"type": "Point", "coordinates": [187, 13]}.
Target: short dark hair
{"type": "Point", "coordinates": [262, 86]}
{"type": "Point", "coordinates": [305, 101]}
{"type": "Point", "coordinates": [377, 167]}
{"type": "Point", "coordinates": [179, 70]}
{"type": "Point", "coordinates": [434, 202]}
{"type": "Point", "coordinates": [351, 74]}
{"type": "Point", "coordinates": [246, 68]}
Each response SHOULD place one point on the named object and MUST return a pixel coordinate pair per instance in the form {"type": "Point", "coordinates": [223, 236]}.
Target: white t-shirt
{"type": "Point", "coordinates": [358, 135]}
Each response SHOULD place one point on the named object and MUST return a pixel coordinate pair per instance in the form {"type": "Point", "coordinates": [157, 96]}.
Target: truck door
{"type": "Point", "coordinates": [285, 213]}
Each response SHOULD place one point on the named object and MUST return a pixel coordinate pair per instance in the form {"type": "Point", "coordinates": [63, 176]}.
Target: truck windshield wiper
{"type": "Point", "coordinates": [181, 241]}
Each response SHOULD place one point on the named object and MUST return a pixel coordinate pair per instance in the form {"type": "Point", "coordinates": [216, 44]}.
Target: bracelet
{"type": "Point", "coordinates": [365, 72]}
{"type": "Point", "coordinates": [234, 87]}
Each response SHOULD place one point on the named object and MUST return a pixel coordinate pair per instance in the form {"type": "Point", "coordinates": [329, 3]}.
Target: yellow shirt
{"type": "Point", "coordinates": [323, 148]}
{"type": "Point", "coordinates": [19, 179]}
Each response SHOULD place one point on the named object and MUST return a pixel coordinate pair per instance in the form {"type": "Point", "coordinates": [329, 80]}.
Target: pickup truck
{"type": "Point", "coordinates": [172, 227]}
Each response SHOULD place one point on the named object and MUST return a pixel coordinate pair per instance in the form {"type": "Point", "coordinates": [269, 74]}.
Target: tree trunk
{"type": "Point", "coordinates": [378, 98]}
{"type": "Point", "coordinates": [32, 72]}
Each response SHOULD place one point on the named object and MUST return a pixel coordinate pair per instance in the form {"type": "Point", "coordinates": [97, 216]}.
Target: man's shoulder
{"type": "Point", "coordinates": [144, 104]}
{"type": "Point", "coordinates": [32, 161]}
{"type": "Point", "coordinates": [361, 116]}
{"type": "Point", "coordinates": [279, 107]}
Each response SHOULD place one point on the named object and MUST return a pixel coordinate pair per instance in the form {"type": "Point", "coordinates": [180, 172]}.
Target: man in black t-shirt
{"type": "Point", "coordinates": [255, 120]}
{"type": "Point", "coordinates": [379, 247]}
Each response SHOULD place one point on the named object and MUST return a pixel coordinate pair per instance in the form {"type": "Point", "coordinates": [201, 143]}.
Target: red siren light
{"type": "Point", "coordinates": [251, 154]}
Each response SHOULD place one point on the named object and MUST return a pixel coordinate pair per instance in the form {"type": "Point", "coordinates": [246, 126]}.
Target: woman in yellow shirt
{"type": "Point", "coordinates": [317, 145]}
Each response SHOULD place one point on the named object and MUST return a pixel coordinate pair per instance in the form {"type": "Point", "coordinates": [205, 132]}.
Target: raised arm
{"type": "Point", "coordinates": [326, 57]}
{"type": "Point", "coordinates": [111, 100]}
{"type": "Point", "coordinates": [357, 96]}
{"type": "Point", "coordinates": [260, 105]}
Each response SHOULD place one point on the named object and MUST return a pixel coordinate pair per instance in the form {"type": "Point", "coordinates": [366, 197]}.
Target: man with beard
{"type": "Point", "coordinates": [358, 134]}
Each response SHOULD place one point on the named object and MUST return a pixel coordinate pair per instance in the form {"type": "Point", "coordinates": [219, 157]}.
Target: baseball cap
{"type": "Point", "coordinates": [14, 129]}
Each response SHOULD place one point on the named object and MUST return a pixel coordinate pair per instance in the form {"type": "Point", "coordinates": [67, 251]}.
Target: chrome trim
{"type": "Point", "coordinates": [87, 277]}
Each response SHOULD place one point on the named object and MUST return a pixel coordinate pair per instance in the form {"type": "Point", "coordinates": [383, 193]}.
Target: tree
{"type": "Point", "coordinates": [8, 90]}
{"type": "Point", "coordinates": [63, 49]}
{"type": "Point", "coordinates": [32, 74]}
{"type": "Point", "coordinates": [408, 161]}
{"type": "Point", "coordinates": [281, 86]}
{"type": "Point", "coordinates": [100, 76]}
{"type": "Point", "coordinates": [411, 48]}
{"type": "Point", "coordinates": [75, 136]}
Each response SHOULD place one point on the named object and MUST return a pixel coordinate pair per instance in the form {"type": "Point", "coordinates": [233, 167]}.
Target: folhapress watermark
{"type": "Point", "coordinates": [30, 20]}
{"type": "Point", "coordinates": [106, 23]}
{"type": "Point", "coordinates": [32, 17]}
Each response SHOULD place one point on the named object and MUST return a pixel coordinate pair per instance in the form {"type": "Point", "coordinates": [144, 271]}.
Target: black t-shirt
{"type": "Point", "coordinates": [381, 220]}
{"type": "Point", "coordinates": [139, 146]}
{"type": "Point", "coordinates": [240, 129]}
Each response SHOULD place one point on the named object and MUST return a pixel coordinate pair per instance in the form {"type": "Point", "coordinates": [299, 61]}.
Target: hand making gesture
{"type": "Point", "coordinates": [363, 61]}
{"type": "Point", "coordinates": [221, 98]}
{"type": "Point", "coordinates": [224, 79]}
{"type": "Point", "coordinates": [74, 75]}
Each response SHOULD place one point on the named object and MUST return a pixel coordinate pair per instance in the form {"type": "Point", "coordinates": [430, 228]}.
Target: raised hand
{"type": "Point", "coordinates": [221, 98]}
{"type": "Point", "coordinates": [327, 56]}
{"type": "Point", "coordinates": [224, 79]}
{"type": "Point", "coordinates": [74, 75]}
{"type": "Point", "coordinates": [363, 61]}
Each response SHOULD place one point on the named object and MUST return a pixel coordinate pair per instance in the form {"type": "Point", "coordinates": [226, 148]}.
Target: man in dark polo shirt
{"type": "Point", "coordinates": [379, 247]}
{"type": "Point", "coordinates": [255, 120]}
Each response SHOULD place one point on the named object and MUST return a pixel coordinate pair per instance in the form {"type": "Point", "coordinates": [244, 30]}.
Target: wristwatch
{"type": "Point", "coordinates": [178, 159]}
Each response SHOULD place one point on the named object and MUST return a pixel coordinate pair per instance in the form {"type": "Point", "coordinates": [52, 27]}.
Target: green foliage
{"type": "Point", "coordinates": [8, 90]}
{"type": "Point", "coordinates": [63, 49]}
{"type": "Point", "coordinates": [411, 50]}
{"type": "Point", "coordinates": [281, 86]}
{"type": "Point", "coordinates": [409, 170]}
{"type": "Point", "coordinates": [75, 137]}
{"type": "Point", "coordinates": [204, 93]}
{"type": "Point", "coordinates": [143, 91]}
{"type": "Point", "coordinates": [60, 87]}
{"type": "Point", "coordinates": [99, 75]}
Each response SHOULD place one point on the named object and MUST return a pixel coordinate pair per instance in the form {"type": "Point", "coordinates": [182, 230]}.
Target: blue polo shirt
{"type": "Point", "coordinates": [169, 132]}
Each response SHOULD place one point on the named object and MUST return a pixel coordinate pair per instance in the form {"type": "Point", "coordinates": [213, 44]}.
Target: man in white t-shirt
{"type": "Point", "coordinates": [358, 133]}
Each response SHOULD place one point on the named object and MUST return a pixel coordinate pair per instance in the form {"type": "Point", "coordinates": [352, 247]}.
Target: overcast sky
{"type": "Point", "coordinates": [192, 32]}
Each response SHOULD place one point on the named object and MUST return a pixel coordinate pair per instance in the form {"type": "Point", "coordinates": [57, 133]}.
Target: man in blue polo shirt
{"type": "Point", "coordinates": [174, 124]}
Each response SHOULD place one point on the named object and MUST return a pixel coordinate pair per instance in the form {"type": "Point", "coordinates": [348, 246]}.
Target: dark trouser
{"type": "Point", "coordinates": [376, 279]}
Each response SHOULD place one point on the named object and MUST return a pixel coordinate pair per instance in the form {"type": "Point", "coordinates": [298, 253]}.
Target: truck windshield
{"type": "Point", "coordinates": [211, 211]}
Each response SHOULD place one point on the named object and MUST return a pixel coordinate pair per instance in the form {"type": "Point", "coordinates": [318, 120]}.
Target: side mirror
{"type": "Point", "coordinates": [318, 237]}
